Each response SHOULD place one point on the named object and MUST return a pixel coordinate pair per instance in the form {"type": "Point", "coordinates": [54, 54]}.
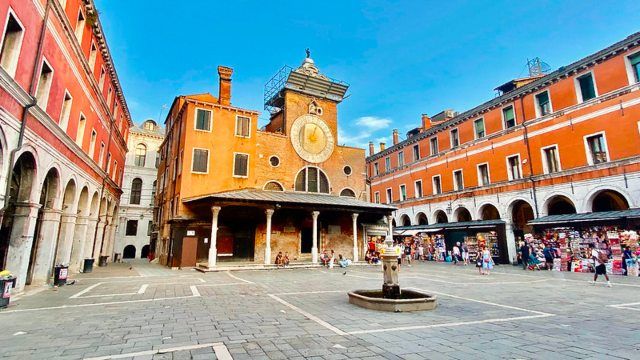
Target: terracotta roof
{"type": "Point", "coordinates": [289, 198]}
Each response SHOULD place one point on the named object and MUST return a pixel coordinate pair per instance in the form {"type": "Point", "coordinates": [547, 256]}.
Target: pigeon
{"type": "Point", "coordinates": [344, 273]}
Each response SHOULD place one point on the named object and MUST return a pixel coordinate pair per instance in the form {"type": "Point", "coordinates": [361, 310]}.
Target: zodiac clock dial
{"type": "Point", "coordinates": [312, 139]}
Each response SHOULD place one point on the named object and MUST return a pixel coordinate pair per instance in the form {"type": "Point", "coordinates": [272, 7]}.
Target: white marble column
{"type": "Point", "coordinates": [45, 246]}
{"type": "Point", "coordinates": [79, 242]}
{"type": "Point", "coordinates": [101, 225]}
{"type": "Point", "coordinates": [21, 240]}
{"type": "Point", "coordinates": [65, 238]}
{"type": "Point", "coordinates": [390, 223]}
{"type": "Point", "coordinates": [512, 252]}
{"type": "Point", "coordinates": [314, 248]}
{"type": "Point", "coordinates": [89, 236]}
{"type": "Point", "coordinates": [213, 251]}
{"type": "Point", "coordinates": [354, 216]}
{"type": "Point", "coordinates": [267, 245]}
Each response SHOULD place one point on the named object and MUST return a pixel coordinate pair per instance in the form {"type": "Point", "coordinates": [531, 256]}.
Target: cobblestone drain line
{"type": "Point", "coordinates": [78, 295]}
{"type": "Point", "coordinates": [308, 315]}
{"type": "Point", "coordinates": [238, 278]}
{"type": "Point", "coordinates": [219, 348]}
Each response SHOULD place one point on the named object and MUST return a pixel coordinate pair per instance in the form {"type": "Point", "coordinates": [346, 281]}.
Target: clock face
{"type": "Point", "coordinates": [311, 138]}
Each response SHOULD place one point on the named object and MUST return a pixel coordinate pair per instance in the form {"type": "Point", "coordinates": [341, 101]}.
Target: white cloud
{"type": "Point", "coordinates": [373, 123]}
{"type": "Point", "coordinates": [370, 128]}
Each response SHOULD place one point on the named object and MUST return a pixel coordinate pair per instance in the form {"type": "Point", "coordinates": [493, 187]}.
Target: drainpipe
{"type": "Point", "coordinates": [25, 111]}
{"type": "Point", "coordinates": [526, 141]}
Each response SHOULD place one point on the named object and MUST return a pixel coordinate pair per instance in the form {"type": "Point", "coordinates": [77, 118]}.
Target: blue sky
{"type": "Point", "coordinates": [401, 58]}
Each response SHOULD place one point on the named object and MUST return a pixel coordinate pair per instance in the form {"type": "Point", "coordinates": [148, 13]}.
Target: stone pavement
{"type": "Point", "coordinates": [150, 312]}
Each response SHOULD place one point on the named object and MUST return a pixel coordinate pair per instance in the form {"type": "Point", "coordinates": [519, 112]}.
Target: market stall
{"type": "Point", "coordinates": [572, 234]}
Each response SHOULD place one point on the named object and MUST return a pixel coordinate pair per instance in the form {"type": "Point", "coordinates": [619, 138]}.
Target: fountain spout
{"type": "Point", "coordinates": [390, 286]}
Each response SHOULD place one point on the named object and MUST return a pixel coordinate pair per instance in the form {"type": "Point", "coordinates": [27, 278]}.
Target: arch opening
{"type": "Point", "coordinates": [609, 200]}
{"type": "Point", "coordinates": [462, 214]}
{"type": "Point", "coordinates": [441, 217]}
{"type": "Point", "coordinates": [144, 253]}
{"type": "Point", "coordinates": [421, 219]}
{"type": "Point", "coordinates": [404, 220]}
{"type": "Point", "coordinates": [129, 252]}
{"type": "Point", "coordinates": [560, 205]}
{"type": "Point", "coordinates": [489, 212]}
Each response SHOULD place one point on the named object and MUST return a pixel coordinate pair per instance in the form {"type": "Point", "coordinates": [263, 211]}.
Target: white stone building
{"type": "Point", "coordinates": [139, 187]}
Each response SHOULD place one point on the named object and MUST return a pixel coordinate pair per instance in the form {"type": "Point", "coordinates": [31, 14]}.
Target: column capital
{"type": "Point", "coordinates": [315, 214]}
{"type": "Point", "coordinates": [269, 212]}
{"type": "Point", "coordinates": [215, 210]}
{"type": "Point", "coordinates": [354, 216]}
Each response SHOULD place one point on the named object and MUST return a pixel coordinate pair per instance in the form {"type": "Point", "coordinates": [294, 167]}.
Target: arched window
{"type": "Point", "coordinates": [136, 191]}
{"type": "Point", "coordinates": [141, 154]}
{"type": "Point", "coordinates": [273, 186]}
{"type": "Point", "coordinates": [312, 179]}
{"type": "Point", "coordinates": [149, 125]}
{"type": "Point", "coordinates": [347, 192]}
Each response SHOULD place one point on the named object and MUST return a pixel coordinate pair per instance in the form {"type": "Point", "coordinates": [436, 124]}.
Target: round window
{"type": "Point", "coordinates": [347, 170]}
{"type": "Point", "coordinates": [274, 161]}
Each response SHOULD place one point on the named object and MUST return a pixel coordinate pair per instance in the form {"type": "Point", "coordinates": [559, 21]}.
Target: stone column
{"type": "Point", "coordinates": [511, 243]}
{"type": "Point", "coordinates": [354, 216]}
{"type": "Point", "coordinates": [213, 251]}
{"type": "Point", "coordinates": [89, 236]}
{"type": "Point", "coordinates": [46, 246]}
{"type": "Point", "coordinates": [267, 245]}
{"type": "Point", "coordinates": [390, 223]}
{"type": "Point", "coordinates": [65, 238]}
{"type": "Point", "coordinates": [101, 228]}
{"type": "Point", "coordinates": [21, 240]}
{"type": "Point", "coordinates": [106, 239]}
{"type": "Point", "coordinates": [314, 248]}
{"type": "Point", "coordinates": [79, 242]}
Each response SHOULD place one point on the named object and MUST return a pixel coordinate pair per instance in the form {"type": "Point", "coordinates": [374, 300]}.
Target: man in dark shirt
{"type": "Point", "coordinates": [524, 252]}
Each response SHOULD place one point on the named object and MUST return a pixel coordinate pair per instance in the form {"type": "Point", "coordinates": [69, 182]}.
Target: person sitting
{"type": "Point", "coordinates": [343, 262]}
{"type": "Point", "coordinates": [324, 258]}
{"type": "Point", "coordinates": [279, 260]}
{"type": "Point", "coordinates": [285, 260]}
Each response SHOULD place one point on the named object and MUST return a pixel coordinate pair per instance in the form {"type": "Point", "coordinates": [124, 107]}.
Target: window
{"type": "Point", "coordinates": [115, 113]}
{"type": "Point", "coordinates": [274, 161]}
{"type": "Point", "coordinates": [101, 155]}
{"type": "Point", "coordinates": [243, 126]}
{"type": "Point", "coordinates": [44, 85]}
{"type": "Point", "coordinates": [586, 87]}
{"type": "Point", "coordinates": [513, 167]}
{"type": "Point", "coordinates": [66, 111]}
{"type": "Point", "coordinates": [634, 63]}
{"type": "Point", "coordinates": [347, 170]}
{"type": "Point", "coordinates": [478, 127]}
{"type": "Point", "coordinates": [543, 103]}
{"type": "Point", "coordinates": [418, 189]}
{"type": "Point", "coordinates": [136, 191]}
{"type": "Point", "coordinates": [401, 158]}
{"type": "Point", "coordinates": [108, 163]}
{"type": "Point", "coordinates": [157, 164]}
{"type": "Point", "coordinates": [11, 45]}
{"type": "Point", "coordinates": [483, 175]}
{"type": "Point", "coordinates": [80, 133]}
{"type": "Point", "coordinates": [132, 228]}
{"type": "Point", "coordinates": [550, 159]}
{"type": "Point", "coordinates": [92, 143]}
{"type": "Point", "coordinates": [416, 152]}
{"type": "Point", "coordinates": [433, 144]}
{"type": "Point", "coordinates": [508, 117]}
{"type": "Point", "coordinates": [437, 185]}
{"type": "Point", "coordinates": [109, 95]}
{"type": "Point", "coordinates": [149, 125]}
{"type": "Point", "coordinates": [149, 228]}
{"type": "Point", "coordinates": [80, 26]}
{"type": "Point", "coordinates": [376, 171]}
{"type": "Point", "coordinates": [312, 179]}
{"type": "Point", "coordinates": [115, 170]}
{"type": "Point", "coordinates": [376, 197]}
{"type": "Point", "coordinates": [389, 196]}
{"type": "Point", "coordinates": [92, 56]}
{"type": "Point", "coordinates": [140, 155]}
{"type": "Point", "coordinates": [273, 186]}
{"type": "Point", "coordinates": [597, 149]}
{"type": "Point", "coordinates": [240, 165]}
{"type": "Point", "coordinates": [403, 192]}
{"type": "Point", "coordinates": [200, 162]}
{"type": "Point", "coordinates": [455, 139]}
{"type": "Point", "coordinates": [347, 193]}
{"type": "Point", "coordinates": [387, 164]}
{"type": "Point", "coordinates": [203, 120]}
{"type": "Point", "coordinates": [458, 182]}
{"type": "Point", "coordinates": [101, 79]}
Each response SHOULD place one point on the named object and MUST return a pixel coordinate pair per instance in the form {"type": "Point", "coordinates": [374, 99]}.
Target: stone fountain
{"type": "Point", "coordinates": [391, 298]}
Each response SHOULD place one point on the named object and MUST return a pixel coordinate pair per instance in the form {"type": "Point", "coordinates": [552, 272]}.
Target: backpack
{"type": "Point", "coordinates": [603, 258]}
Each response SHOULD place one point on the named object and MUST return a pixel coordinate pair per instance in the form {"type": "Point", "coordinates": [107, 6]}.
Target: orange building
{"type": "Point", "coordinates": [229, 191]}
{"type": "Point", "coordinates": [559, 143]}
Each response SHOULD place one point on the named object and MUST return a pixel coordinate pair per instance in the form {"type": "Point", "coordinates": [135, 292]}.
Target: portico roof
{"type": "Point", "coordinates": [587, 217]}
{"type": "Point", "coordinates": [288, 199]}
{"type": "Point", "coordinates": [476, 224]}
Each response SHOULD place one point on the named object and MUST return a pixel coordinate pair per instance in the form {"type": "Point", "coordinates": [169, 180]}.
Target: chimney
{"type": "Point", "coordinates": [395, 136]}
{"type": "Point", "coordinates": [381, 146]}
{"type": "Point", "coordinates": [224, 88]}
{"type": "Point", "coordinates": [426, 122]}
{"type": "Point", "coordinates": [371, 149]}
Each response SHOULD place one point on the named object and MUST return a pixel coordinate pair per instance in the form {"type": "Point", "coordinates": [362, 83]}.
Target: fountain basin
{"type": "Point", "coordinates": [410, 300]}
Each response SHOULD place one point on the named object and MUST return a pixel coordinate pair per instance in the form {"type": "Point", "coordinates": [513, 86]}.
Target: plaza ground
{"type": "Point", "coordinates": [145, 311]}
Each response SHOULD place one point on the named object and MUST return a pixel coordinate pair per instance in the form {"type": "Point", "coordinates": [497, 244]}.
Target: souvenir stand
{"type": "Point", "coordinates": [572, 234]}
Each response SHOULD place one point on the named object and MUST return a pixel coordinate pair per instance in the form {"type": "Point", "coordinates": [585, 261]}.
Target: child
{"type": "Point", "coordinates": [279, 261]}
{"type": "Point", "coordinates": [285, 259]}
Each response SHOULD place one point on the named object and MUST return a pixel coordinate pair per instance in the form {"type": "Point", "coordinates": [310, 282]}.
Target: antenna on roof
{"type": "Point", "coordinates": [537, 67]}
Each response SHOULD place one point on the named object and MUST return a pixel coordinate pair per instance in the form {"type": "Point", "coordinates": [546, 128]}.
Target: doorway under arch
{"type": "Point", "coordinates": [144, 253]}
{"type": "Point", "coordinates": [421, 219]}
{"type": "Point", "coordinates": [521, 214]}
{"type": "Point", "coordinates": [129, 252]}
{"type": "Point", "coordinates": [560, 205]}
{"type": "Point", "coordinates": [489, 212]}
{"type": "Point", "coordinates": [462, 214]}
{"type": "Point", "coordinates": [441, 217]}
{"type": "Point", "coordinates": [609, 200]}
{"type": "Point", "coordinates": [404, 220]}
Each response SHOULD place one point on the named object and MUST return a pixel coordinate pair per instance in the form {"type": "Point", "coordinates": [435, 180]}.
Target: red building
{"type": "Point", "coordinates": [63, 130]}
{"type": "Point", "coordinates": [552, 144]}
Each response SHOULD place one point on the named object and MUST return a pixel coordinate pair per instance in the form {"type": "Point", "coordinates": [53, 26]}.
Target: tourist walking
{"type": "Point", "coordinates": [549, 255]}
{"type": "Point", "coordinates": [600, 258]}
{"type": "Point", "coordinates": [465, 253]}
{"type": "Point", "coordinates": [524, 254]}
{"type": "Point", "coordinates": [455, 254]}
{"type": "Point", "coordinates": [627, 260]}
{"type": "Point", "coordinates": [487, 261]}
{"type": "Point", "coordinates": [479, 262]}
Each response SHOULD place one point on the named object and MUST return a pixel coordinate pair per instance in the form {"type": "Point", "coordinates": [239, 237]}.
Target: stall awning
{"type": "Point", "coordinates": [478, 224]}
{"type": "Point", "coordinates": [586, 217]}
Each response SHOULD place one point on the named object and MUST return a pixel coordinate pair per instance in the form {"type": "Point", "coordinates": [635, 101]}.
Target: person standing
{"type": "Point", "coordinates": [627, 260]}
{"type": "Point", "coordinates": [487, 261]}
{"type": "Point", "coordinates": [455, 254]}
{"type": "Point", "coordinates": [465, 253]}
{"type": "Point", "coordinates": [600, 258]}
{"type": "Point", "coordinates": [548, 253]}
{"type": "Point", "coordinates": [524, 253]}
